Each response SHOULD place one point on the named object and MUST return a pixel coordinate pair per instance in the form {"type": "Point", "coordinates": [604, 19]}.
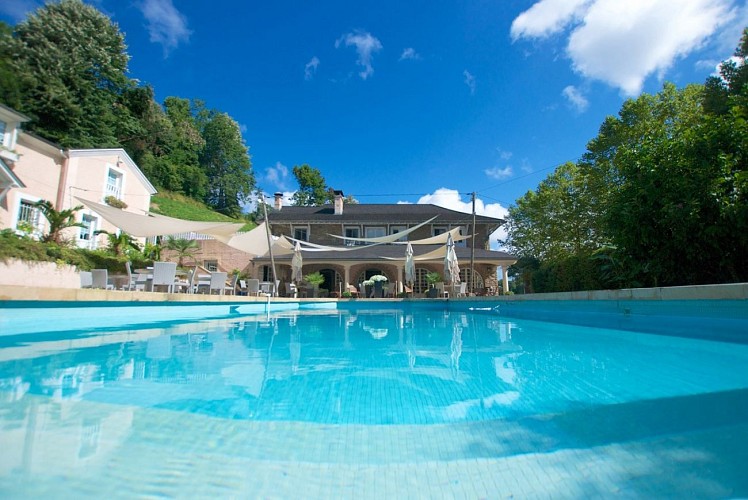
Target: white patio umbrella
{"type": "Point", "coordinates": [451, 267]}
{"type": "Point", "coordinates": [296, 263]}
{"type": "Point", "coordinates": [410, 266]}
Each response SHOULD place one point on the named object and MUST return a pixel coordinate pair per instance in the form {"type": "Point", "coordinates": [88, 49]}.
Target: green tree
{"type": "Point", "coordinates": [226, 162]}
{"type": "Point", "coordinates": [185, 147]}
{"type": "Point", "coordinates": [10, 88]}
{"type": "Point", "coordinates": [183, 248]}
{"type": "Point", "coordinates": [313, 189]}
{"type": "Point", "coordinates": [71, 62]}
{"type": "Point", "coordinates": [58, 220]}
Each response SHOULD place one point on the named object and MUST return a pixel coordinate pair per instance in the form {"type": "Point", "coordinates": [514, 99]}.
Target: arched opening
{"type": "Point", "coordinates": [465, 278]}
{"type": "Point", "coordinates": [420, 285]}
{"type": "Point", "coordinates": [332, 280]}
{"type": "Point", "coordinates": [368, 274]}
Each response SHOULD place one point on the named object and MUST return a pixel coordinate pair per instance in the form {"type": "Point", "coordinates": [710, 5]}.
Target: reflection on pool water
{"type": "Point", "coordinates": [370, 403]}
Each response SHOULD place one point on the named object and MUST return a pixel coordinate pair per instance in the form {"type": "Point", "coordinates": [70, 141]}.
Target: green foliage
{"type": "Point", "coordinates": [313, 189]}
{"type": "Point", "coordinates": [122, 244]}
{"type": "Point", "coordinates": [659, 199]}
{"type": "Point", "coordinates": [315, 279]}
{"type": "Point", "coordinates": [26, 249]}
{"type": "Point", "coordinates": [71, 65]}
{"type": "Point", "coordinates": [115, 202]}
{"type": "Point", "coordinates": [225, 160]}
{"type": "Point", "coordinates": [182, 247]}
{"type": "Point", "coordinates": [433, 277]}
{"type": "Point", "coordinates": [58, 220]}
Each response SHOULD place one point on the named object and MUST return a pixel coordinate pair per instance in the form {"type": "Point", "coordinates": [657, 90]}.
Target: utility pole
{"type": "Point", "coordinates": [472, 252]}
{"type": "Point", "coordinates": [270, 243]}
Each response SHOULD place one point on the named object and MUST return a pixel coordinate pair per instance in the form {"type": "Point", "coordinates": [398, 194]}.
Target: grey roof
{"type": "Point", "coordinates": [382, 252]}
{"type": "Point", "coordinates": [367, 213]}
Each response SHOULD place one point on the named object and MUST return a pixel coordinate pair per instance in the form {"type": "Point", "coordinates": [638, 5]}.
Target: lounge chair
{"type": "Point", "coordinates": [86, 279]}
{"type": "Point", "coordinates": [230, 289]}
{"type": "Point", "coordinates": [291, 290]}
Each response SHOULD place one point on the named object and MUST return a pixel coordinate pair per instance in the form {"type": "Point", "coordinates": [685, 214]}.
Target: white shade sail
{"type": "Point", "coordinates": [160, 225]}
{"type": "Point", "coordinates": [391, 238]}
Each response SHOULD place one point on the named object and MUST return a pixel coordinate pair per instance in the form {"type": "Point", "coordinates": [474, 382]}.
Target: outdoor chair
{"type": "Point", "coordinates": [462, 292]}
{"type": "Point", "coordinates": [86, 279]}
{"type": "Point", "coordinates": [352, 290]}
{"type": "Point", "coordinates": [189, 283]}
{"type": "Point", "coordinates": [165, 275]}
{"type": "Point", "coordinates": [291, 290]}
{"type": "Point", "coordinates": [100, 279]}
{"type": "Point", "coordinates": [217, 282]}
{"type": "Point", "coordinates": [230, 289]}
{"type": "Point", "coordinates": [253, 287]}
{"type": "Point", "coordinates": [134, 281]}
{"type": "Point", "coordinates": [242, 287]}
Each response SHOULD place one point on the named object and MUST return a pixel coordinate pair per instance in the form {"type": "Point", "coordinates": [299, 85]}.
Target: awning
{"type": "Point", "coordinates": [160, 225]}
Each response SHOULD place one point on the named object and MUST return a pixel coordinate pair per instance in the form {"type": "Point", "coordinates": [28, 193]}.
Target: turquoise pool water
{"type": "Point", "coordinates": [366, 401]}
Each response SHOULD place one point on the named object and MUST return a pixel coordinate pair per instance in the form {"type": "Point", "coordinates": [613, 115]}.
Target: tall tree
{"type": "Point", "coordinates": [10, 88]}
{"type": "Point", "coordinates": [185, 146]}
{"type": "Point", "coordinates": [313, 189]}
{"type": "Point", "coordinates": [226, 162]}
{"type": "Point", "coordinates": [71, 62]}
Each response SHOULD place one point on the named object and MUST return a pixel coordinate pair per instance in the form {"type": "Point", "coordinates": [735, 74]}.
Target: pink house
{"type": "Point", "coordinates": [33, 169]}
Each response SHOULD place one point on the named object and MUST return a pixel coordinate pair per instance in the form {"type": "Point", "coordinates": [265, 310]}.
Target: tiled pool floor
{"type": "Point", "coordinates": [161, 453]}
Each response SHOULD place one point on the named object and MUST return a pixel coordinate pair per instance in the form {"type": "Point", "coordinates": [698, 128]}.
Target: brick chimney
{"type": "Point", "coordinates": [338, 202]}
{"type": "Point", "coordinates": [278, 201]}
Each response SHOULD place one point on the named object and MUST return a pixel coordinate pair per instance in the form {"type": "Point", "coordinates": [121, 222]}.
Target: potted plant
{"type": "Point", "coordinates": [432, 279]}
{"type": "Point", "coordinates": [378, 280]}
{"type": "Point", "coordinates": [315, 279]}
{"type": "Point", "coordinates": [367, 287]}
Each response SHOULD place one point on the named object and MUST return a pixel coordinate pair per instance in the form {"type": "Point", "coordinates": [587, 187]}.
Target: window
{"type": "Point", "coordinates": [29, 218]}
{"type": "Point", "coordinates": [352, 232]}
{"type": "Point", "coordinates": [462, 243]}
{"type": "Point", "coordinates": [113, 184]}
{"type": "Point", "coordinates": [210, 265]}
{"type": "Point", "coordinates": [3, 128]}
{"type": "Point", "coordinates": [437, 230]}
{"type": "Point", "coordinates": [375, 231]}
{"type": "Point", "coordinates": [398, 229]}
{"type": "Point", "coordinates": [267, 273]}
{"type": "Point", "coordinates": [301, 233]}
{"type": "Point", "coordinates": [86, 234]}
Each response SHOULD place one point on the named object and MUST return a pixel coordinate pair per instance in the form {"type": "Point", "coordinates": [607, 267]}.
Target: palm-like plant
{"type": "Point", "coordinates": [183, 248]}
{"type": "Point", "coordinates": [59, 220]}
{"type": "Point", "coordinates": [120, 243]}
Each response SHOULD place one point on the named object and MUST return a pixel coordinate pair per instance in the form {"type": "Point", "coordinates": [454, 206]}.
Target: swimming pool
{"type": "Point", "coordinates": [364, 400]}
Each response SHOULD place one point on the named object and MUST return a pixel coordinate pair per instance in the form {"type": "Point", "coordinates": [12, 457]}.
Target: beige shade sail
{"type": "Point", "coordinates": [385, 239]}
{"type": "Point", "coordinates": [160, 225]}
{"type": "Point", "coordinates": [255, 242]}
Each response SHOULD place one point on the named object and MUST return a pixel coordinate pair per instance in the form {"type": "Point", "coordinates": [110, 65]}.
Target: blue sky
{"type": "Point", "coordinates": [419, 101]}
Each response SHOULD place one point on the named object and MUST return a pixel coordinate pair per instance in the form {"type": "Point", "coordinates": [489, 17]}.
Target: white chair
{"type": "Point", "coordinates": [164, 274]}
{"type": "Point", "coordinates": [134, 281]}
{"type": "Point", "coordinates": [86, 279]}
{"type": "Point", "coordinates": [230, 289]}
{"type": "Point", "coordinates": [100, 279]}
{"type": "Point", "coordinates": [463, 290]}
{"type": "Point", "coordinates": [291, 290]}
{"type": "Point", "coordinates": [253, 287]}
{"type": "Point", "coordinates": [188, 284]}
{"type": "Point", "coordinates": [217, 282]}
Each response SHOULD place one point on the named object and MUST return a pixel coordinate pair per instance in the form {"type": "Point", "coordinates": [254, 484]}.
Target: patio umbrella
{"type": "Point", "coordinates": [410, 266]}
{"type": "Point", "coordinates": [296, 263]}
{"type": "Point", "coordinates": [451, 267]}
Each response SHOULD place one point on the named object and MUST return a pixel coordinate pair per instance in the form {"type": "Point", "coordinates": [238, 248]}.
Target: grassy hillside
{"type": "Point", "coordinates": [182, 207]}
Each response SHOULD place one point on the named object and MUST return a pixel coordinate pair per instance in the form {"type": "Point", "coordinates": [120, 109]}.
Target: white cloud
{"type": "Point", "coordinates": [277, 175]}
{"type": "Point", "coordinates": [451, 199]}
{"type": "Point", "coordinates": [546, 17]}
{"type": "Point", "coordinates": [310, 68]}
{"type": "Point", "coordinates": [469, 81]}
{"type": "Point", "coordinates": [166, 25]}
{"type": "Point", "coordinates": [575, 98]}
{"type": "Point", "coordinates": [504, 155]}
{"type": "Point", "coordinates": [409, 53]}
{"type": "Point", "coordinates": [622, 43]}
{"type": "Point", "coordinates": [499, 173]}
{"type": "Point", "coordinates": [366, 45]}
